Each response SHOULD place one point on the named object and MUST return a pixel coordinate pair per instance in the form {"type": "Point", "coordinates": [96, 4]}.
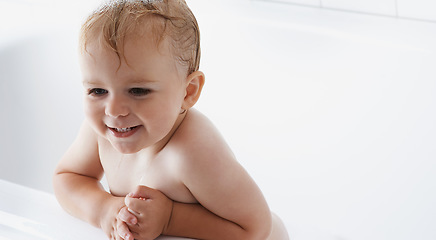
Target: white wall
{"type": "Point", "coordinates": [385, 7]}
{"type": "Point", "coordinates": [414, 9]}
{"type": "Point", "coordinates": [40, 91]}
{"type": "Point", "coordinates": [419, 9]}
{"type": "Point", "coordinates": [314, 3]}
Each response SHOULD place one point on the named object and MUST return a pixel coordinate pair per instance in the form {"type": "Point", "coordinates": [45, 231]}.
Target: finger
{"type": "Point", "coordinates": [126, 216]}
{"type": "Point", "coordinates": [116, 236]}
{"type": "Point", "coordinates": [136, 236]}
{"type": "Point", "coordinates": [123, 231]}
{"type": "Point", "coordinates": [142, 191]}
{"type": "Point", "coordinates": [134, 205]}
{"type": "Point", "coordinates": [113, 234]}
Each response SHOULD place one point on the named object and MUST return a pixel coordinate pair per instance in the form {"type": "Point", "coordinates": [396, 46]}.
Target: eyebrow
{"type": "Point", "coordinates": [90, 82]}
{"type": "Point", "coordinates": [141, 81]}
{"type": "Point", "coordinates": [135, 81]}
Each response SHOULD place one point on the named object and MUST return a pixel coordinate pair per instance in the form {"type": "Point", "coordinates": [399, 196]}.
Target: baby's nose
{"type": "Point", "coordinates": [116, 107]}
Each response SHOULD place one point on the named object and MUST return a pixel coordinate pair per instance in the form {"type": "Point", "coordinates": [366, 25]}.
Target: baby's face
{"type": "Point", "coordinates": [136, 104]}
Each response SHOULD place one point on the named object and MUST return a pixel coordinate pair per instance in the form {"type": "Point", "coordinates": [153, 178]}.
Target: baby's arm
{"type": "Point", "coordinates": [77, 184]}
{"type": "Point", "coordinates": [155, 215]}
{"type": "Point", "coordinates": [232, 206]}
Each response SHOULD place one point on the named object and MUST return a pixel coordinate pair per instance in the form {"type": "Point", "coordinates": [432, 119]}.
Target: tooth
{"type": "Point", "coordinates": [123, 129]}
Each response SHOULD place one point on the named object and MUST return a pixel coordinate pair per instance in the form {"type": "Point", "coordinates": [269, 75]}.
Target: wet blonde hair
{"type": "Point", "coordinates": [170, 19]}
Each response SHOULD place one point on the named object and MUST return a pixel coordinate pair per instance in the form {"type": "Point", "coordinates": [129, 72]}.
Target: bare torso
{"type": "Point", "coordinates": [125, 172]}
{"type": "Point", "coordinates": [164, 171]}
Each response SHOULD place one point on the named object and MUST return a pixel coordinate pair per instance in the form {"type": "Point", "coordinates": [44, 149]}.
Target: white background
{"type": "Point", "coordinates": [414, 9]}
{"type": "Point", "coordinates": [331, 112]}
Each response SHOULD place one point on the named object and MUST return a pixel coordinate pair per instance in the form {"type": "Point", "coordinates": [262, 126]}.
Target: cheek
{"type": "Point", "coordinates": [89, 109]}
{"type": "Point", "coordinates": [164, 113]}
{"type": "Point", "coordinates": [170, 102]}
{"type": "Point", "coordinates": [93, 114]}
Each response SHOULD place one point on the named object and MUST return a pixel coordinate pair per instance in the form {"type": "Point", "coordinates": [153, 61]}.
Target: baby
{"type": "Point", "coordinates": [168, 169]}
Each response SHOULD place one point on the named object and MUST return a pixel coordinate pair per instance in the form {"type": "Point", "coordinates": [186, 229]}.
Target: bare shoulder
{"type": "Point", "coordinates": [209, 169]}
{"type": "Point", "coordinates": [202, 154]}
{"type": "Point", "coordinates": [204, 158]}
{"type": "Point", "coordinates": [198, 138]}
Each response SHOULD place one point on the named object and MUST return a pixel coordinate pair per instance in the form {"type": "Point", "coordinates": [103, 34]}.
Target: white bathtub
{"type": "Point", "coordinates": [332, 113]}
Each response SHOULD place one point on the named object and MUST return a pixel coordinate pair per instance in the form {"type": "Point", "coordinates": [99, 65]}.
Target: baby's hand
{"type": "Point", "coordinates": [152, 210]}
{"type": "Point", "coordinates": [124, 220]}
{"type": "Point", "coordinates": [110, 223]}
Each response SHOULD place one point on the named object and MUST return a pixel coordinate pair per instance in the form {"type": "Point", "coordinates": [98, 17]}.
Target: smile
{"type": "Point", "coordinates": [123, 132]}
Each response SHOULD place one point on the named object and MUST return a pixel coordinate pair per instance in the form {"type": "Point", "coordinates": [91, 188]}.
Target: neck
{"type": "Point", "coordinates": [154, 150]}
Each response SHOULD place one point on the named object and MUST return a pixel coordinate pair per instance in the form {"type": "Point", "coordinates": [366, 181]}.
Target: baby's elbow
{"type": "Point", "coordinates": [260, 234]}
{"type": "Point", "coordinates": [261, 231]}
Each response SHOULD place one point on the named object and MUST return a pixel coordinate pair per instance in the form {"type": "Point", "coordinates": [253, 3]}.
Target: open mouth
{"type": "Point", "coordinates": [123, 132]}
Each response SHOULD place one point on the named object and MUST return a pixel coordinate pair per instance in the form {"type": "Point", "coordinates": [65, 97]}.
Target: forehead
{"type": "Point", "coordinates": [138, 57]}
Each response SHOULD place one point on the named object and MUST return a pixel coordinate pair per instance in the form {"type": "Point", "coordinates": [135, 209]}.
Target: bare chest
{"type": "Point", "coordinates": [125, 172]}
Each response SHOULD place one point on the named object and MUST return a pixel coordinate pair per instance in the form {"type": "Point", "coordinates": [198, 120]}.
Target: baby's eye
{"type": "Point", "coordinates": [97, 91]}
{"type": "Point", "coordinates": [139, 91]}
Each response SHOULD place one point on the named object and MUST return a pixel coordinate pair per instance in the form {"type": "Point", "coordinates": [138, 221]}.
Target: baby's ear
{"type": "Point", "coordinates": [194, 85]}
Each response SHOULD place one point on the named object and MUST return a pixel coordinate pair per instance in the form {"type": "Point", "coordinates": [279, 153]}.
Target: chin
{"type": "Point", "coordinates": [124, 151]}
{"type": "Point", "coordinates": [122, 148]}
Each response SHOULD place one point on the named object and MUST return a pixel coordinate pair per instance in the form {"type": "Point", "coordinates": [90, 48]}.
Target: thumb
{"type": "Point", "coordinates": [135, 199]}
{"type": "Point", "coordinates": [143, 192]}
